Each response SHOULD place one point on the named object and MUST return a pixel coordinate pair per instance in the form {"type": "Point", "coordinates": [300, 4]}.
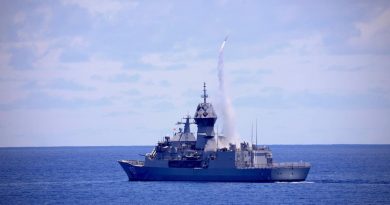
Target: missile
{"type": "Point", "coordinates": [223, 44]}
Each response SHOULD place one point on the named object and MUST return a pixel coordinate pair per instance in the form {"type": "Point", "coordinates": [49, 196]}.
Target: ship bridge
{"type": "Point", "coordinates": [186, 135]}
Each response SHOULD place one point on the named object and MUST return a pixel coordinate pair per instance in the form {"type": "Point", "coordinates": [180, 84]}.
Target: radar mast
{"type": "Point", "coordinates": [204, 96]}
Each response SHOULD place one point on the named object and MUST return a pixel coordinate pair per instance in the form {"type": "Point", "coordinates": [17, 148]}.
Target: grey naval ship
{"type": "Point", "coordinates": [182, 157]}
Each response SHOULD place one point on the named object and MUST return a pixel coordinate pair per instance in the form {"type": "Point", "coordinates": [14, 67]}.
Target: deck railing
{"type": "Point", "coordinates": [291, 164]}
{"type": "Point", "coordinates": [246, 166]}
{"type": "Point", "coordinates": [135, 162]}
{"type": "Point", "coordinates": [274, 165]}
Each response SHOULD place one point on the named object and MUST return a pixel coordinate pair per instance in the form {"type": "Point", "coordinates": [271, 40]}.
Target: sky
{"type": "Point", "coordinates": [88, 73]}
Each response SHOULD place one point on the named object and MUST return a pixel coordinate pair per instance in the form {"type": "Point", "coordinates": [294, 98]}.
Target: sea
{"type": "Point", "coordinates": [340, 174]}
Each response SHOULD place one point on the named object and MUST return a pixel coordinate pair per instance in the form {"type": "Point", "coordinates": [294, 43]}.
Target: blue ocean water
{"type": "Point", "coordinates": [340, 174]}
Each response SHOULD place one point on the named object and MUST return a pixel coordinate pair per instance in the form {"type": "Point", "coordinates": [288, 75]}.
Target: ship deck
{"type": "Point", "coordinates": [291, 165]}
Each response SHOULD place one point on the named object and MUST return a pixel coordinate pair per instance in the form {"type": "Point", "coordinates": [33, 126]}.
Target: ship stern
{"type": "Point", "coordinates": [290, 172]}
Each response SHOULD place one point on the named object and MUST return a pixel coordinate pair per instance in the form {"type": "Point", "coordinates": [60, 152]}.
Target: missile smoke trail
{"type": "Point", "coordinates": [220, 67]}
{"type": "Point", "coordinates": [227, 109]}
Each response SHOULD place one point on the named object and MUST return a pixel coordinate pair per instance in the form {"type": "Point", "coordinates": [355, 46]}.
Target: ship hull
{"type": "Point", "coordinates": [266, 174]}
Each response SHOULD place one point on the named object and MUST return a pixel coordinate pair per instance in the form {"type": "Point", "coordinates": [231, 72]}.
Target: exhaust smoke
{"type": "Point", "coordinates": [227, 113]}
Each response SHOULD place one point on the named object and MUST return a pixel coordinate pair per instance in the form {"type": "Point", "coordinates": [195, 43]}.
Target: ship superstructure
{"type": "Point", "coordinates": [182, 157]}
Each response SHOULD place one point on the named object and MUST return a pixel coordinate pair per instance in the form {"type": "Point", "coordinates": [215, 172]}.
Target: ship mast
{"type": "Point", "coordinates": [252, 135]}
{"type": "Point", "coordinates": [204, 96]}
{"type": "Point", "coordinates": [256, 132]}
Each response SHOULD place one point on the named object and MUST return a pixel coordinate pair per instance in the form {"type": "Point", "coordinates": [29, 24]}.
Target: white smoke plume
{"type": "Point", "coordinates": [211, 146]}
{"type": "Point", "coordinates": [229, 129]}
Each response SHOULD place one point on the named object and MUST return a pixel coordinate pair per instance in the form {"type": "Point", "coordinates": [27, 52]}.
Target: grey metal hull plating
{"type": "Point", "coordinates": [268, 174]}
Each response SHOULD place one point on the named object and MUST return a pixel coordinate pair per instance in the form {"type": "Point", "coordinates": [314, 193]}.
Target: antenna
{"type": "Point", "coordinates": [204, 96]}
{"type": "Point", "coordinates": [256, 132]}
{"type": "Point", "coordinates": [252, 135]}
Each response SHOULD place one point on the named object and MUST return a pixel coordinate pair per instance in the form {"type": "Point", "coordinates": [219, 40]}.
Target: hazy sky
{"type": "Point", "coordinates": [123, 72]}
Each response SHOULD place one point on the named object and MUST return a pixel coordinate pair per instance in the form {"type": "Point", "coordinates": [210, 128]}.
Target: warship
{"type": "Point", "coordinates": [184, 157]}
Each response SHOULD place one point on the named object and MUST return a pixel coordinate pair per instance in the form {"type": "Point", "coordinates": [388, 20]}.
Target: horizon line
{"type": "Point", "coordinates": [70, 146]}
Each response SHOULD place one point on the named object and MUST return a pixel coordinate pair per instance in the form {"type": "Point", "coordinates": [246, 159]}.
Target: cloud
{"type": "Point", "coordinates": [32, 24]}
{"type": "Point", "coordinates": [75, 53]}
{"type": "Point", "coordinates": [171, 60]}
{"type": "Point", "coordinates": [27, 61]}
{"type": "Point", "coordinates": [44, 101]}
{"type": "Point", "coordinates": [89, 57]}
{"type": "Point", "coordinates": [278, 98]}
{"type": "Point", "coordinates": [249, 76]}
{"type": "Point", "coordinates": [50, 60]}
{"type": "Point", "coordinates": [162, 106]}
{"type": "Point", "coordinates": [132, 92]}
{"type": "Point", "coordinates": [4, 60]}
{"type": "Point", "coordinates": [124, 78]}
{"type": "Point", "coordinates": [164, 83]}
{"type": "Point", "coordinates": [121, 114]}
{"type": "Point", "coordinates": [308, 45]}
{"type": "Point", "coordinates": [341, 68]}
{"type": "Point", "coordinates": [19, 17]}
{"type": "Point", "coordinates": [57, 84]}
{"type": "Point", "coordinates": [373, 33]}
{"type": "Point", "coordinates": [107, 8]}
